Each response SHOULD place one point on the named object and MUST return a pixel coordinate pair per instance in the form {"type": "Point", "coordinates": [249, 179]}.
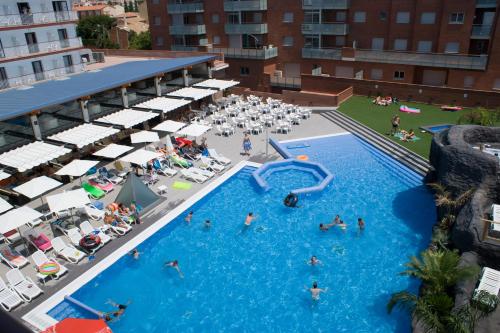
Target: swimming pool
{"type": "Point", "coordinates": [436, 128]}
{"type": "Point", "coordinates": [253, 280]}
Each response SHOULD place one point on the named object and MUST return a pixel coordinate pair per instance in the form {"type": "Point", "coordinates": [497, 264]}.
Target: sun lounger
{"type": "Point", "coordinates": [86, 229]}
{"type": "Point", "coordinates": [92, 191]}
{"type": "Point", "coordinates": [93, 213]}
{"type": "Point", "coordinates": [38, 239]}
{"type": "Point", "coordinates": [212, 165]}
{"type": "Point", "coordinates": [102, 184]}
{"type": "Point", "coordinates": [74, 236]}
{"type": "Point", "coordinates": [12, 236]}
{"type": "Point", "coordinates": [122, 170]}
{"type": "Point", "coordinates": [110, 176]}
{"type": "Point", "coordinates": [24, 286]}
{"type": "Point", "coordinates": [206, 173]}
{"type": "Point", "coordinates": [194, 177]}
{"type": "Point", "coordinates": [63, 225]}
{"type": "Point", "coordinates": [495, 215]}
{"type": "Point", "coordinates": [67, 252]}
{"type": "Point", "coordinates": [219, 158]}
{"type": "Point", "coordinates": [12, 258]}
{"type": "Point", "coordinates": [34, 223]}
{"type": "Point", "coordinates": [40, 258]}
{"type": "Point", "coordinates": [9, 299]}
{"type": "Point", "coordinates": [490, 282]}
{"type": "Point", "coordinates": [121, 229]}
{"type": "Point", "coordinates": [163, 169]}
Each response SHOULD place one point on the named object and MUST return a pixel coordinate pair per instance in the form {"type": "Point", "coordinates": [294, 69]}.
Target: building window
{"type": "Point", "coordinates": [400, 44]}
{"type": "Point", "coordinates": [424, 46]}
{"type": "Point", "coordinates": [38, 70]}
{"type": "Point", "coordinates": [215, 18]}
{"type": "Point", "coordinates": [156, 20]}
{"type": "Point", "coordinates": [403, 17]}
{"type": "Point", "coordinates": [382, 15]}
{"type": "Point", "coordinates": [377, 43]}
{"type": "Point", "coordinates": [216, 40]}
{"type": "Point", "coordinates": [376, 74]}
{"type": "Point", "coordinates": [468, 82]}
{"type": "Point", "coordinates": [311, 16]}
{"type": "Point", "coordinates": [457, 18]}
{"type": "Point", "coordinates": [288, 41]}
{"type": "Point", "coordinates": [428, 18]}
{"type": "Point", "coordinates": [359, 17]}
{"type": "Point", "coordinates": [399, 75]}
{"type": "Point", "coordinates": [156, 2]}
{"type": "Point", "coordinates": [311, 41]}
{"type": "Point", "coordinates": [288, 17]}
{"type": "Point", "coordinates": [452, 47]}
{"type": "Point", "coordinates": [244, 71]}
{"type": "Point", "coordinates": [4, 80]}
{"type": "Point", "coordinates": [496, 84]}
{"type": "Point", "coordinates": [339, 40]}
{"type": "Point", "coordinates": [159, 41]}
{"type": "Point", "coordinates": [340, 16]}
{"type": "Point", "coordinates": [233, 18]}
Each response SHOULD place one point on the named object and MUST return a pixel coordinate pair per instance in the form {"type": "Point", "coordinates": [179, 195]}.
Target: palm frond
{"type": "Point", "coordinates": [403, 300]}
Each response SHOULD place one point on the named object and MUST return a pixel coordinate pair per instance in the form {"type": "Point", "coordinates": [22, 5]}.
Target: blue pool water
{"type": "Point", "coordinates": [253, 280]}
{"type": "Point", "coordinates": [436, 128]}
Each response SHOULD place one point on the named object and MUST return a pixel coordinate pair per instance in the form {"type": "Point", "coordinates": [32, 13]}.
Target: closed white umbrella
{"type": "Point", "coordinates": [67, 200]}
{"type": "Point", "coordinates": [113, 151]}
{"type": "Point", "coordinates": [17, 218]}
{"type": "Point", "coordinates": [4, 205]}
{"type": "Point", "coordinates": [144, 137]}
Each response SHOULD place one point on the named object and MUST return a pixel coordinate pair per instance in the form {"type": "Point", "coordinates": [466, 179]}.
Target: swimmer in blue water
{"type": "Point", "coordinates": [315, 291]}
{"type": "Point", "coordinates": [314, 261]}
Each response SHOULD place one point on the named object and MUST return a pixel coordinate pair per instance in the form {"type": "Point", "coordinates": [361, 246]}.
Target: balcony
{"type": "Point", "coordinates": [325, 4]}
{"type": "Point", "coordinates": [187, 29]}
{"type": "Point", "coordinates": [486, 3]}
{"type": "Point", "coordinates": [336, 29]}
{"type": "Point", "coordinates": [456, 61]}
{"type": "Point", "coordinates": [22, 50]}
{"type": "Point", "coordinates": [262, 54]}
{"type": "Point", "coordinates": [244, 5]}
{"type": "Point", "coordinates": [181, 8]}
{"type": "Point", "coordinates": [16, 19]}
{"type": "Point", "coordinates": [481, 31]}
{"type": "Point", "coordinates": [286, 82]}
{"type": "Point", "coordinates": [332, 54]}
{"type": "Point", "coordinates": [246, 28]}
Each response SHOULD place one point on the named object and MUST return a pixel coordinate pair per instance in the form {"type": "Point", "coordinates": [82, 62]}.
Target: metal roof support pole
{"type": "Point", "coordinates": [124, 97]}
{"type": "Point", "coordinates": [157, 85]}
{"type": "Point", "coordinates": [185, 77]}
{"type": "Point", "coordinates": [210, 74]}
{"type": "Point", "coordinates": [85, 110]}
{"type": "Point", "coordinates": [36, 126]}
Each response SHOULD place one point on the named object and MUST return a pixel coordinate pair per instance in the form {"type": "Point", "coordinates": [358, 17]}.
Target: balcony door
{"type": "Point", "coordinates": [38, 70]}
{"type": "Point", "coordinates": [4, 80]}
{"type": "Point", "coordinates": [60, 6]}
{"type": "Point", "coordinates": [31, 42]}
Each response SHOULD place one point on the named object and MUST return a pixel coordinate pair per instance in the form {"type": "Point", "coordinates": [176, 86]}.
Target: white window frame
{"type": "Point", "coordinates": [399, 75]}
{"type": "Point", "coordinates": [454, 18]}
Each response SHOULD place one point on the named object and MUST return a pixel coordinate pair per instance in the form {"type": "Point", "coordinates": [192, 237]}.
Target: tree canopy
{"type": "Point", "coordinates": [94, 31]}
{"type": "Point", "coordinates": [141, 41]}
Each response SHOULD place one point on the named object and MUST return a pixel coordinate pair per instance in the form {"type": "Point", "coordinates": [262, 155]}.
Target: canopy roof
{"type": "Point", "coordinates": [76, 168]}
{"type": "Point", "coordinates": [31, 155]}
{"type": "Point", "coordinates": [144, 136]}
{"type": "Point", "coordinates": [17, 217]}
{"type": "Point", "coordinates": [37, 186]}
{"type": "Point", "coordinates": [169, 126]}
{"type": "Point", "coordinates": [84, 134]}
{"type": "Point", "coordinates": [163, 103]}
{"type": "Point", "coordinates": [4, 205]}
{"type": "Point", "coordinates": [217, 84]}
{"type": "Point", "coordinates": [113, 151]}
{"type": "Point", "coordinates": [193, 93]}
{"type": "Point", "coordinates": [128, 118]}
{"type": "Point", "coordinates": [194, 130]}
{"type": "Point", "coordinates": [140, 156]}
{"type": "Point", "coordinates": [4, 175]}
{"type": "Point", "coordinates": [67, 200]}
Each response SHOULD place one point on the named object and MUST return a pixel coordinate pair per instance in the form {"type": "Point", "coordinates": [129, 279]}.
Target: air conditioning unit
{"type": "Point", "coordinates": [278, 74]}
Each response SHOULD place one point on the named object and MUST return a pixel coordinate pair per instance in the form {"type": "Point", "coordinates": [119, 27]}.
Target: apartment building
{"type": "Point", "coordinates": [38, 42]}
{"type": "Point", "coordinates": [269, 43]}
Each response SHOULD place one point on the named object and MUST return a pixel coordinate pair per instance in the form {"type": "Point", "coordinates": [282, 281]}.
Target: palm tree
{"type": "Point", "coordinates": [451, 205]}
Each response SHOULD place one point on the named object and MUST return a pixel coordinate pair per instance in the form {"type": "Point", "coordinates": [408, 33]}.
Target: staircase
{"type": "Point", "coordinates": [396, 151]}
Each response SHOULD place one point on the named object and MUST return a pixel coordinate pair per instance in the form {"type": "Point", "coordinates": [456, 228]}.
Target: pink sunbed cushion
{"type": "Point", "coordinates": [13, 256]}
{"type": "Point", "coordinates": [42, 242]}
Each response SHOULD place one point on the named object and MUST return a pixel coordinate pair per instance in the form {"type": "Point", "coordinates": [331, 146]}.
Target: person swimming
{"type": "Point", "coordinates": [175, 265]}
{"type": "Point", "coordinates": [114, 315]}
{"type": "Point", "coordinates": [249, 219]}
{"type": "Point", "coordinates": [208, 224]}
{"type": "Point", "coordinates": [324, 227]}
{"type": "Point", "coordinates": [342, 225]}
{"type": "Point", "coordinates": [188, 217]}
{"type": "Point", "coordinates": [291, 200]}
{"type": "Point", "coordinates": [336, 220]}
{"type": "Point", "coordinates": [135, 254]}
{"type": "Point", "coordinates": [361, 224]}
{"type": "Point", "coordinates": [315, 291]}
{"type": "Point", "coordinates": [314, 261]}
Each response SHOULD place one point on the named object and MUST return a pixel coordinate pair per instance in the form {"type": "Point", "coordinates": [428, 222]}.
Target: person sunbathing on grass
{"type": "Point", "coordinates": [408, 136]}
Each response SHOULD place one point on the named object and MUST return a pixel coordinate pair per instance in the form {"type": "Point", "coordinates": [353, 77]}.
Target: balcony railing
{"type": "Point", "coordinates": [481, 31]}
{"type": "Point", "coordinates": [187, 29]}
{"type": "Point", "coordinates": [246, 28]}
{"type": "Point", "coordinates": [266, 53]}
{"type": "Point", "coordinates": [42, 47]}
{"type": "Point", "coordinates": [486, 3]}
{"type": "Point", "coordinates": [286, 82]}
{"type": "Point", "coordinates": [180, 8]}
{"type": "Point", "coordinates": [16, 19]}
{"type": "Point", "coordinates": [325, 4]}
{"type": "Point", "coordinates": [183, 48]}
{"type": "Point", "coordinates": [332, 54]}
{"type": "Point", "coordinates": [423, 59]}
{"type": "Point", "coordinates": [244, 5]}
{"type": "Point", "coordinates": [337, 29]}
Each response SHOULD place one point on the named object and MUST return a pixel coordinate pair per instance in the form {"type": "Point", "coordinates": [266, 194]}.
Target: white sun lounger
{"type": "Point", "coordinates": [495, 214]}
{"type": "Point", "coordinates": [39, 320]}
{"type": "Point", "coordinates": [93, 213]}
{"type": "Point", "coordinates": [219, 158]}
{"type": "Point", "coordinates": [166, 171]}
{"type": "Point", "coordinates": [86, 229]}
{"type": "Point", "coordinates": [74, 236]}
{"type": "Point", "coordinates": [24, 286]}
{"type": "Point", "coordinates": [12, 258]}
{"type": "Point", "coordinates": [212, 165]}
{"type": "Point", "coordinates": [490, 281]}
{"type": "Point", "coordinates": [190, 175]}
{"type": "Point", "coordinates": [67, 252]}
{"type": "Point", "coordinates": [40, 258]}
{"type": "Point", "coordinates": [9, 299]}
{"type": "Point", "coordinates": [206, 173]}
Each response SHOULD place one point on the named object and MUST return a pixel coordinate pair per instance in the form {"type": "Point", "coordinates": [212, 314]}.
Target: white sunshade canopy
{"type": "Point", "coordinates": [17, 217]}
{"type": "Point", "coordinates": [37, 186]}
{"type": "Point", "coordinates": [4, 175]}
{"type": "Point", "coordinates": [217, 84]}
{"type": "Point", "coordinates": [194, 130]}
{"type": "Point", "coordinates": [68, 200]}
{"type": "Point", "coordinates": [193, 93]}
{"type": "Point", "coordinates": [113, 151]}
{"type": "Point", "coordinates": [128, 118]}
{"type": "Point", "coordinates": [4, 205]}
{"type": "Point", "coordinates": [31, 155]}
{"type": "Point", "coordinates": [84, 134]}
{"type": "Point", "coordinates": [163, 103]}
{"type": "Point", "coordinates": [169, 126]}
{"type": "Point", "coordinates": [144, 137]}
{"type": "Point", "coordinates": [140, 156]}
{"type": "Point", "coordinates": [76, 168]}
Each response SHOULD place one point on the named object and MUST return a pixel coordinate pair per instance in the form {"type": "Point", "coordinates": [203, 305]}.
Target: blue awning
{"type": "Point", "coordinates": [16, 102]}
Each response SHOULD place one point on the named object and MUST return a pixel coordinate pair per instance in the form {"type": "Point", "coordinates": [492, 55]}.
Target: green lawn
{"type": "Point", "coordinates": [378, 118]}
